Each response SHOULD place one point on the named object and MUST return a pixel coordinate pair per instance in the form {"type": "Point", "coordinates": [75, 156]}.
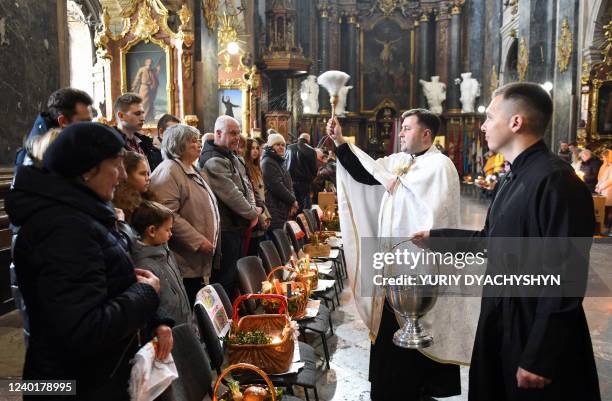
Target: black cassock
{"type": "Point", "coordinates": [397, 373]}
{"type": "Point", "coordinates": [548, 334]}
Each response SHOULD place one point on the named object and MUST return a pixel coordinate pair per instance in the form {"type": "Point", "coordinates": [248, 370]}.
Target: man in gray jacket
{"type": "Point", "coordinates": [236, 202]}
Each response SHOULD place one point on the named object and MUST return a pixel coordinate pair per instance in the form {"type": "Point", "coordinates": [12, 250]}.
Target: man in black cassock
{"type": "Point", "coordinates": [538, 347]}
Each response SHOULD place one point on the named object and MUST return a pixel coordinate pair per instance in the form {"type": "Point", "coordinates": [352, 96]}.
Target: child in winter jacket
{"type": "Point", "coordinates": [153, 222]}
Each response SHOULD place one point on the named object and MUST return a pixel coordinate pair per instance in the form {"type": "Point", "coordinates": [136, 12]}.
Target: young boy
{"type": "Point", "coordinates": [153, 222]}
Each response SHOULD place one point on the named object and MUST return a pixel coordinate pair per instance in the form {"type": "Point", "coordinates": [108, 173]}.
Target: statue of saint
{"type": "Point", "coordinates": [309, 93]}
{"type": "Point", "coordinates": [470, 90]}
{"type": "Point", "coordinates": [435, 93]}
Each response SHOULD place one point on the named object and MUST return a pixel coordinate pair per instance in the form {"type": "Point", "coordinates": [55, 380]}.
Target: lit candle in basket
{"type": "Point", "coordinates": [307, 263]}
{"type": "Point", "coordinates": [276, 340]}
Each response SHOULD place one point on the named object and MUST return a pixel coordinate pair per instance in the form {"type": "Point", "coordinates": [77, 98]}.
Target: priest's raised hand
{"type": "Point", "coordinates": [334, 130]}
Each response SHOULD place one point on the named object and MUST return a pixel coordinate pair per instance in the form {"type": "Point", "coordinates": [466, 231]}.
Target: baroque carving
{"type": "Point", "coordinates": [210, 8]}
{"type": "Point", "coordinates": [102, 37]}
{"type": "Point", "coordinates": [145, 25]}
{"type": "Point", "coordinates": [565, 46]}
{"type": "Point", "coordinates": [145, 22]}
{"type": "Point", "coordinates": [523, 59]}
{"type": "Point", "coordinates": [185, 16]}
{"type": "Point", "coordinates": [387, 7]}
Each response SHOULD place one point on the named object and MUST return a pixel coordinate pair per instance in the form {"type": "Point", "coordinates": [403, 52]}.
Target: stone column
{"type": "Point", "coordinates": [424, 57]}
{"type": "Point", "coordinates": [206, 71]}
{"type": "Point", "coordinates": [324, 53]}
{"type": "Point", "coordinates": [566, 89]}
{"type": "Point", "coordinates": [454, 60]}
{"type": "Point", "coordinates": [539, 37]}
{"type": "Point", "coordinates": [352, 44]}
{"type": "Point", "coordinates": [492, 49]}
{"type": "Point", "coordinates": [442, 23]}
{"type": "Point", "coordinates": [476, 38]}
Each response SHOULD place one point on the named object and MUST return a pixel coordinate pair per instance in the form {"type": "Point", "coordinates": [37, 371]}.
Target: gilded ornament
{"type": "Point", "coordinates": [523, 59]}
{"type": "Point", "coordinates": [210, 13]}
{"type": "Point", "coordinates": [586, 73]}
{"type": "Point", "coordinates": [387, 7]}
{"type": "Point", "coordinates": [228, 30]}
{"type": "Point", "coordinates": [227, 61]}
{"type": "Point", "coordinates": [607, 48]}
{"type": "Point", "coordinates": [456, 9]}
{"type": "Point", "coordinates": [565, 46]}
{"type": "Point", "coordinates": [185, 16]}
{"type": "Point", "coordinates": [191, 120]}
{"type": "Point", "coordinates": [145, 25]}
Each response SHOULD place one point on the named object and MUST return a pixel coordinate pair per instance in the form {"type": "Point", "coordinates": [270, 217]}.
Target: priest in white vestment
{"type": "Point", "coordinates": [396, 196]}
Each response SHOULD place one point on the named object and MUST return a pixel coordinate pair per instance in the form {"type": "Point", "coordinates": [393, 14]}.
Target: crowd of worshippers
{"type": "Point", "coordinates": [116, 232]}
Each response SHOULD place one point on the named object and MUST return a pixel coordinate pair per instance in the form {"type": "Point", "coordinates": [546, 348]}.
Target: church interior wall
{"type": "Point", "coordinates": [490, 36]}
{"type": "Point", "coordinates": [29, 39]}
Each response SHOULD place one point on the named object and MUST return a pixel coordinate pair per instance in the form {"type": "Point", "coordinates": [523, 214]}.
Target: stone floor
{"type": "Point", "coordinates": [347, 380]}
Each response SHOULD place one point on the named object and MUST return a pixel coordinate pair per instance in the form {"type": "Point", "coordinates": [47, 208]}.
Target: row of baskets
{"type": "Point", "coordinates": [265, 343]}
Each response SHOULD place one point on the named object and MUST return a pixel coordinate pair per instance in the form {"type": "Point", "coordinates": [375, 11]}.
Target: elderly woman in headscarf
{"type": "Point", "coordinates": [280, 199]}
{"type": "Point", "coordinates": [183, 189]}
{"type": "Point", "coordinates": [88, 307]}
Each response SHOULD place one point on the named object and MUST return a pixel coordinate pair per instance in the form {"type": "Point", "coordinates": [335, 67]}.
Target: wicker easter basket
{"type": "Point", "coordinates": [272, 358]}
{"type": "Point", "coordinates": [318, 250]}
{"type": "Point", "coordinates": [296, 304]}
{"type": "Point", "coordinates": [243, 366]}
{"type": "Point", "coordinates": [309, 275]}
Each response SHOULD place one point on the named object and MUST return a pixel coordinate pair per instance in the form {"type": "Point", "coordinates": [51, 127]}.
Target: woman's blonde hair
{"type": "Point", "coordinates": [39, 145]}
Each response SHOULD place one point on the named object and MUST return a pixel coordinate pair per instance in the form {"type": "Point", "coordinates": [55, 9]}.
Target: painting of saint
{"type": "Point", "coordinates": [230, 103]}
{"type": "Point", "coordinates": [385, 73]}
{"type": "Point", "coordinates": [147, 77]}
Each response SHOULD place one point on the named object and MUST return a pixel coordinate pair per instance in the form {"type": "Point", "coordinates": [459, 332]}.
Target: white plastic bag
{"type": "Point", "coordinates": [150, 377]}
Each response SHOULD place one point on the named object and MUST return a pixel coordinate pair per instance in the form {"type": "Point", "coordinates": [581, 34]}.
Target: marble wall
{"type": "Point", "coordinates": [476, 23]}
{"type": "Point", "coordinates": [30, 68]}
{"type": "Point", "coordinates": [492, 50]}
{"type": "Point", "coordinates": [566, 88]}
{"type": "Point", "coordinates": [206, 72]}
{"type": "Point", "coordinates": [540, 36]}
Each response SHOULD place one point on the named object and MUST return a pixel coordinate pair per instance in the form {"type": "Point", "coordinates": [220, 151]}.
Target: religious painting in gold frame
{"type": "Point", "coordinates": [601, 109]}
{"type": "Point", "coordinates": [147, 70]}
{"type": "Point", "coordinates": [235, 85]}
{"type": "Point", "coordinates": [387, 46]}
